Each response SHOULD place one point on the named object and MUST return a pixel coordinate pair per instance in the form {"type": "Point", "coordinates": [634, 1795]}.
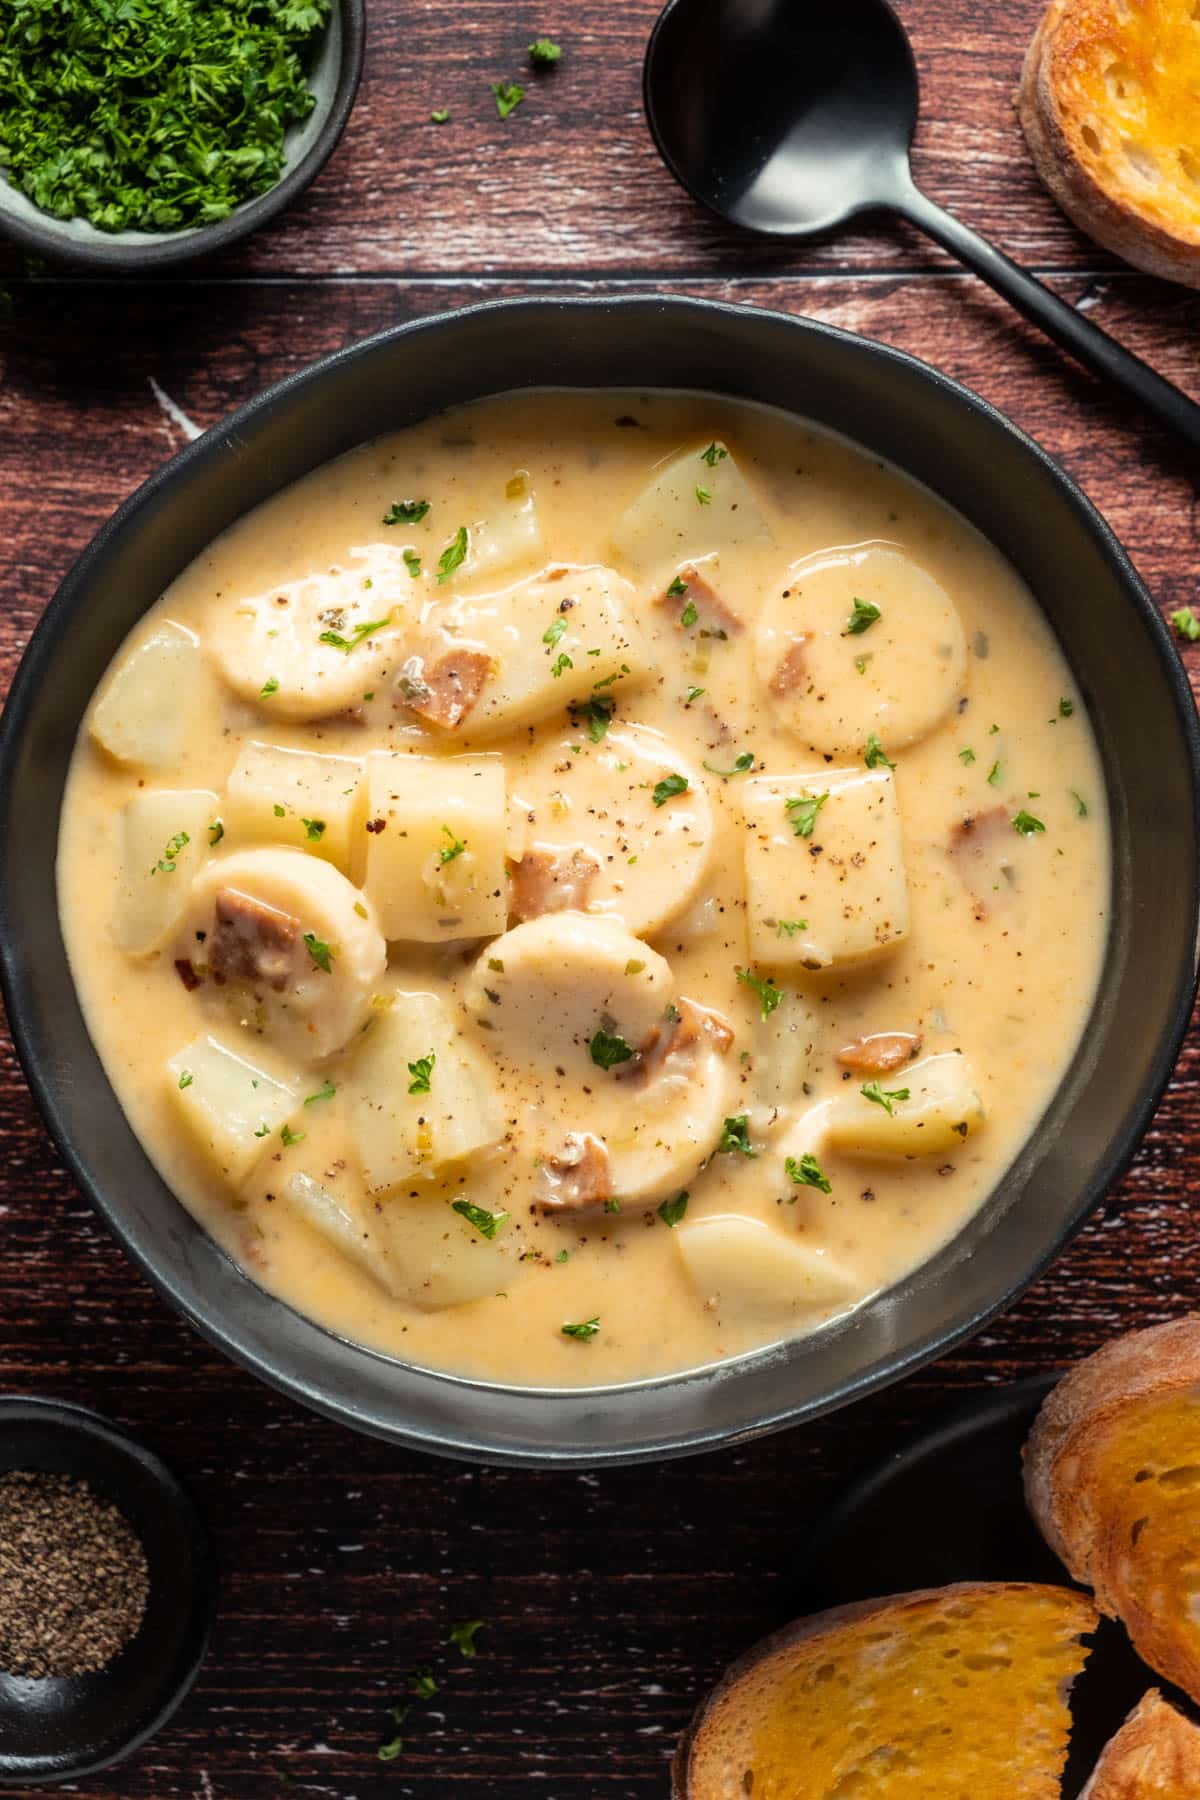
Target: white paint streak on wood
{"type": "Point", "coordinates": [174, 417]}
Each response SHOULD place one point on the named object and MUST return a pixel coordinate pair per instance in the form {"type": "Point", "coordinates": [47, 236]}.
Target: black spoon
{"type": "Point", "coordinates": [790, 116]}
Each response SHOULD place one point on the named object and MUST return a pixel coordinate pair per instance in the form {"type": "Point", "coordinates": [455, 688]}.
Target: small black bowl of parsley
{"type": "Point", "coordinates": [138, 133]}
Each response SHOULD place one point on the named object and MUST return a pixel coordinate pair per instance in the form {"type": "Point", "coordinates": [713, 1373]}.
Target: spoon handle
{"type": "Point", "coordinates": [1085, 341]}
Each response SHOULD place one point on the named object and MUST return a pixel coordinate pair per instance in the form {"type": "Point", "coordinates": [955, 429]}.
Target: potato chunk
{"type": "Point", "coordinates": [507, 539]}
{"type": "Point", "coordinates": [754, 1274]}
{"type": "Point", "coordinates": [694, 506]}
{"type": "Point", "coordinates": [165, 835]}
{"type": "Point", "coordinates": [342, 1225]}
{"type": "Point", "coordinates": [435, 833]}
{"type": "Point", "coordinates": [403, 1135]}
{"type": "Point", "coordinates": [549, 641]}
{"type": "Point", "coordinates": [925, 1109]}
{"type": "Point", "coordinates": [825, 871]}
{"type": "Point", "coordinates": [149, 709]}
{"type": "Point", "coordinates": [231, 1108]}
{"type": "Point", "coordinates": [439, 1259]}
{"type": "Point", "coordinates": [297, 797]}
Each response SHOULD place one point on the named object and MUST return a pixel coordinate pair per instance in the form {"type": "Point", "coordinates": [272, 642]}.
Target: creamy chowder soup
{"type": "Point", "coordinates": [587, 886]}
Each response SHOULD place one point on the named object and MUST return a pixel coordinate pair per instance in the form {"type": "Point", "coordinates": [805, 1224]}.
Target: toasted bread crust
{"type": "Point", "coordinates": [1082, 150]}
{"type": "Point", "coordinates": [819, 1624]}
{"type": "Point", "coordinates": [1070, 1429]}
{"type": "Point", "coordinates": [1154, 1756]}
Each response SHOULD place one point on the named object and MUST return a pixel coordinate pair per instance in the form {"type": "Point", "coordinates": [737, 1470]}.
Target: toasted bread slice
{"type": "Point", "coordinates": [1110, 106]}
{"type": "Point", "coordinates": [1154, 1756]}
{"type": "Point", "coordinates": [952, 1693]}
{"type": "Point", "coordinates": [1112, 1476]}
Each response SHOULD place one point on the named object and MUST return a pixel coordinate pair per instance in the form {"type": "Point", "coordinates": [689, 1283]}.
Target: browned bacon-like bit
{"type": "Point", "coordinates": [791, 670]}
{"type": "Point", "coordinates": [579, 1175]}
{"type": "Point", "coordinates": [251, 942]}
{"type": "Point", "coordinates": [980, 849]}
{"type": "Point", "coordinates": [712, 609]}
{"type": "Point", "coordinates": [547, 881]}
{"type": "Point", "coordinates": [880, 1053]}
{"type": "Point", "coordinates": [445, 691]}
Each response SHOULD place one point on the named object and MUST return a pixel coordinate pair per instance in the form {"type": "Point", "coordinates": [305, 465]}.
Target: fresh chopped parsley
{"type": "Point", "coordinates": [1026, 824]}
{"type": "Point", "coordinates": [802, 812]}
{"type": "Point", "coordinates": [863, 616]}
{"type": "Point", "coordinates": [612, 1206]}
{"type": "Point", "coordinates": [262, 1131]}
{"type": "Point", "coordinates": [454, 555]}
{"type": "Point", "coordinates": [741, 765]}
{"type": "Point", "coordinates": [270, 686]}
{"type": "Point", "coordinates": [807, 1173]}
{"type": "Point", "coordinates": [994, 774]}
{"type": "Point", "coordinates": [668, 787]}
{"type": "Point", "coordinates": [314, 829]}
{"type": "Point", "coordinates": [463, 1636]}
{"type": "Point", "coordinates": [714, 454]}
{"type": "Point", "coordinates": [406, 512]}
{"type": "Point", "coordinates": [356, 637]}
{"type": "Point", "coordinates": [563, 1256]}
{"type": "Point", "coordinates": [596, 713]}
{"type": "Point", "coordinates": [290, 1137]}
{"type": "Point", "coordinates": [875, 756]}
{"type": "Point", "coordinates": [440, 116]}
{"type": "Point", "coordinates": [455, 847]}
{"type": "Point", "coordinates": [412, 563]}
{"type": "Point", "coordinates": [326, 1091]}
{"type": "Point", "coordinates": [166, 862]}
{"type": "Point", "coordinates": [689, 615]}
{"type": "Point", "coordinates": [421, 1071]}
{"type": "Point", "coordinates": [1065, 708]}
{"type": "Point", "coordinates": [322, 954]}
{"type": "Point", "coordinates": [607, 1049]}
{"type": "Point", "coordinates": [587, 1329]}
{"type": "Point", "coordinates": [391, 1750]}
{"type": "Point", "coordinates": [769, 996]}
{"type": "Point", "coordinates": [279, 811]}
{"type": "Point", "coordinates": [693, 693]}
{"type": "Point", "coordinates": [561, 662]}
{"type": "Point", "coordinates": [672, 1211]}
{"type": "Point", "coordinates": [735, 1136]}
{"type": "Point", "coordinates": [216, 831]}
{"type": "Point", "coordinates": [677, 588]}
{"type": "Point", "coordinates": [509, 95]}
{"type": "Point", "coordinates": [1080, 804]}
{"type": "Point", "coordinates": [543, 54]}
{"type": "Point", "coordinates": [789, 927]}
{"type": "Point", "coordinates": [186, 1078]}
{"type": "Point", "coordinates": [1186, 624]}
{"type": "Point", "coordinates": [487, 1224]}
{"type": "Point", "coordinates": [704, 496]}
{"type": "Point", "coordinates": [966, 756]}
{"type": "Point", "coordinates": [884, 1097]}
{"type": "Point", "coordinates": [422, 1682]}
{"type": "Point", "coordinates": [553, 633]}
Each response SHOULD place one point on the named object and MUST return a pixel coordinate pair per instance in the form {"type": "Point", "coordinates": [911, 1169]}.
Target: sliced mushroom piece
{"type": "Point", "coordinates": [444, 691]}
{"type": "Point", "coordinates": [578, 1175]}
{"type": "Point", "coordinates": [710, 608]}
{"type": "Point", "coordinates": [879, 1053]}
{"type": "Point", "coordinates": [550, 880]}
{"type": "Point", "coordinates": [981, 850]}
{"type": "Point", "coordinates": [251, 942]}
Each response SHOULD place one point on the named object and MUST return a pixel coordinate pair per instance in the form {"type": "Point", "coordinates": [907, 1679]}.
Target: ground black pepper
{"type": "Point", "coordinates": [73, 1577]}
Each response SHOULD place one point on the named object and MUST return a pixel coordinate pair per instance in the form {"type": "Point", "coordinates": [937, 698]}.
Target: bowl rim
{"type": "Point", "coordinates": [98, 250]}
{"type": "Point", "coordinates": [464, 1443]}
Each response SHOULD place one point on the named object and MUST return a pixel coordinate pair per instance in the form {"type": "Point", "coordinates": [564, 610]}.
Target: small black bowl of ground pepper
{"type": "Point", "coordinates": [141, 135]}
{"type": "Point", "coordinates": [107, 1592]}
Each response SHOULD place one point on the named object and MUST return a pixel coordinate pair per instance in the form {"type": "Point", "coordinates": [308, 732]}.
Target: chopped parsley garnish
{"type": "Point", "coordinates": [186, 1078]}
{"type": "Point", "coordinates": [884, 1097]}
{"type": "Point", "coordinates": [326, 1091]}
{"type": "Point", "coordinates": [668, 787]}
{"type": "Point", "coordinates": [270, 686]}
{"type": "Point", "coordinates": [689, 615]}
{"type": "Point", "coordinates": [554, 632]}
{"type": "Point", "coordinates": [279, 811]}
{"type": "Point", "coordinates": [463, 1636]}
{"type": "Point", "coordinates": [421, 1070]}
{"type": "Point", "coordinates": [671, 1211]}
{"type": "Point", "coordinates": [714, 454]}
{"type": "Point", "coordinates": [587, 1329]}
{"type": "Point", "coordinates": [875, 756]}
{"type": "Point", "coordinates": [487, 1224]}
{"type": "Point", "coordinates": [789, 927]}
{"type": "Point", "coordinates": [1080, 804]}
{"type": "Point", "coordinates": [406, 512]}
{"type": "Point", "coordinates": [562, 661]}
{"type": "Point", "coordinates": [357, 634]}
{"type": "Point", "coordinates": [860, 663]}
{"type": "Point", "coordinates": [607, 1049]}
{"type": "Point", "coordinates": [966, 756]}
{"type": "Point", "coordinates": [455, 847]}
{"type": "Point", "coordinates": [322, 954]}
{"type": "Point", "coordinates": [262, 1131]}
{"type": "Point", "coordinates": [454, 555]}
{"type": "Point", "coordinates": [412, 563]}
{"type": "Point", "coordinates": [1065, 708]}
{"type": "Point", "coordinates": [741, 764]}
{"type": "Point", "coordinates": [677, 588]}
{"type": "Point", "coordinates": [807, 1173]}
{"type": "Point", "coordinates": [802, 812]}
{"type": "Point", "coordinates": [391, 1750]}
{"type": "Point", "coordinates": [216, 831]}
{"type": "Point", "coordinates": [563, 1256]}
{"type": "Point", "coordinates": [994, 774]}
{"type": "Point", "coordinates": [422, 1682]}
{"type": "Point", "coordinates": [862, 618]}
{"type": "Point", "coordinates": [543, 54]}
{"type": "Point", "coordinates": [290, 1137]}
{"type": "Point", "coordinates": [166, 862]}
{"type": "Point", "coordinates": [509, 95]}
{"type": "Point", "coordinates": [1186, 624]}
{"type": "Point", "coordinates": [769, 995]}
{"type": "Point", "coordinates": [597, 713]}
{"type": "Point", "coordinates": [735, 1136]}
{"type": "Point", "coordinates": [704, 496]}
{"type": "Point", "coordinates": [441, 116]}
{"type": "Point", "coordinates": [1026, 824]}
{"type": "Point", "coordinates": [314, 829]}
{"type": "Point", "coordinates": [693, 693]}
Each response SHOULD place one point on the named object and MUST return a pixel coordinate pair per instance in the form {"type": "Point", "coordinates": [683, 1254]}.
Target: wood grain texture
{"type": "Point", "coordinates": [611, 1599]}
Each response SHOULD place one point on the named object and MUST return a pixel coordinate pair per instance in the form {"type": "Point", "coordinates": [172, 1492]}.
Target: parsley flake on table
{"type": "Point", "coordinates": [769, 996]}
{"type": "Point", "coordinates": [802, 810]}
{"type": "Point", "coordinates": [463, 1635]}
{"type": "Point", "coordinates": [668, 787]}
{"type": "Point", "coordinates": [884, 1097]}
{"type": "Point", "coordinates": [863, 616]}
{"type": "Point", "coordinates": [421, 1071]}
{"type": "Point", "coordinates": [152, 115]}
{"type": "Point", "coordinates": [807, 1173]}
{"type": "Point", "coordinates": [406, 512]}
{"type": "Point", "coordinates": [1186, 624]}
{"type": "Point", "coordinates": [422, 1682]}
{"type": "Point", "coordinates": [543, 53]}
{"type": "Point", "coordinates": [441, 116]}
{"type": "Point", "coordinates": [487, 1224]}
{"type": "Point", "coordinates": [607, 1049]}
{"type": "Point", "coordinates": [509, 95]}
{"type": "Point", "coordinates": [672, 1211]}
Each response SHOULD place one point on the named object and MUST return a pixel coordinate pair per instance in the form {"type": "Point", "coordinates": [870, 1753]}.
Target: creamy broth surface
{"type": "Point", "coordinates": [709, 874]}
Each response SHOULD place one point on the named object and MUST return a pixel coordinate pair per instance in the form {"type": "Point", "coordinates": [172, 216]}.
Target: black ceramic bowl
{"type": "Point", "coordinates": [898, 408]}
{"type": "Point", "coordinates": [333, 78]}
{"type": "Point", "coordinates": [64, 1729]}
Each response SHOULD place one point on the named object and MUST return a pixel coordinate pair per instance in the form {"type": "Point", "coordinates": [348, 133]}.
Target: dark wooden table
{"type": "Point", "coordinates": [610, 1600]}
